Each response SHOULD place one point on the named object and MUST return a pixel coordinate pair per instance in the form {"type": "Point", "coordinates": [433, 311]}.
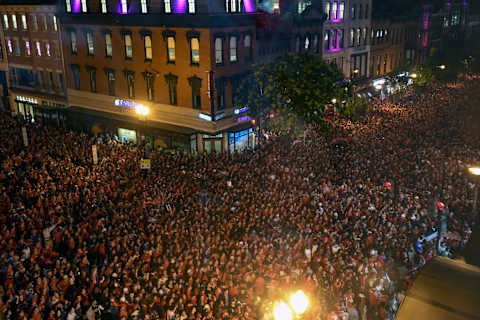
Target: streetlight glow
{"type": "Point", "coordinates": [281, 311]}
{"type": "Point", "coordinates": [474, 170]}
{"type": "Point", "coordinates": [299, 302]}
{"type": "Point", "coordinates": [334, 100]}
{"type": "Point", "coordinates": [413, 75]}
{"type": "Point", "coordinates": [442, 67]}
{"type": "Point", "coordinates": [142, 110]}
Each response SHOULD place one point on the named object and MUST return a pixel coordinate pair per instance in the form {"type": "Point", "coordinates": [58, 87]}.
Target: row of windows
{"type": "Point", "coordinates": [123, 6]}
{"type": "Point", "coordinates": [384, 35]}
{"type": "Point", "coordinates": [333, 39]}
{"type": "Point", "coordinates": [36, 22]}
{"type": "Point", "coordinates": [310, 43]}
{"type": "Point", "coordinates": [28, 48]}
{"type": "Point", "coordinates": [129, 78]}
{"type": "Point", "coordinates": [335, 11]}
{"type": "Point", "coordinates": [379, 64]}
{"type": "Point", "coordinates": [232, 48]}
{"type": "Point", "coordinates": [40, 79]}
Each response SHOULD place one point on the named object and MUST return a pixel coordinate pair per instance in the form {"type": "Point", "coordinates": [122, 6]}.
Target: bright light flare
{"type": "Point", "coordinates": [474, 170]}
{"type": "Point", "coordinates": [442, 67]}
{"type": "Point", "coordinates": [299, 302]}
{"type": "Point", "coordinates": [413, 75]}
{"type": "Point", "coordinates": [378, 87]}
{"type": "Point", "coordinates": [142, 110]}
{"type": "Point", "coordinates": [281, 311]}
{"type": "Point", "coordinates": [334, 100]}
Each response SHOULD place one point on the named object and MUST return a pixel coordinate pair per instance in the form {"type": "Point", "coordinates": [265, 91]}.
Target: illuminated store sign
{"type": "Point", "coordinates": [243, 119]}
{"type": "Point", "coordinates": [241, 110]}
{"type": "Point", "coordinates": [125, 104]}
{"type": "Point", "coordinates": [205, 117]}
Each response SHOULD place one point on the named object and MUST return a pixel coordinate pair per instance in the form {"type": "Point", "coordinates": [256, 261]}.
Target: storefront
{"type": "Point", "coordinates": [241, 140]}
{"type": "Point", "coordinates": [45, 112]}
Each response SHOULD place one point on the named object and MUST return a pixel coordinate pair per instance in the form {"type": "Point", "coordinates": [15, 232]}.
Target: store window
{"type": "Point", "coordinates": [241, 140]}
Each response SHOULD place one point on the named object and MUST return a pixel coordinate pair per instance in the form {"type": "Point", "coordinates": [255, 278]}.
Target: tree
{"type": "Point", "coordinates": [297, 87]}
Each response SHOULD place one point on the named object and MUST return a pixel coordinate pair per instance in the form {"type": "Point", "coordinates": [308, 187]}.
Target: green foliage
{"type": "Point", "coordinates": [296, 86]}
{"type": "Point", "coordinates": [356, 108]}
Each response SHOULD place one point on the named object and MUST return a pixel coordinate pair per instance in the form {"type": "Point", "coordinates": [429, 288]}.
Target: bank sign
{"type": "Point", "coordinates": [125, 104]}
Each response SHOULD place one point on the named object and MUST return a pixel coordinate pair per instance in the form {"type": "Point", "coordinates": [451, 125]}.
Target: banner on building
{"type": "Point", "coordinates": [25, 137]}
{"type": "Point", "coordinates": [145, 164]}
{"type": "Point", "coordinates": [95, 154]}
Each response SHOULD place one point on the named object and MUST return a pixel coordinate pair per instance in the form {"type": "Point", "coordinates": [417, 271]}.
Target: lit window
{"type": "Point", "coordinates": [191, 6]}
{"type": "Point", "coordinates": [68, 5]}
{"type": "Point", "coordinates": [364, 36]}
{"type": "Point", "coordinates": [167, 6]}
{"type": "Point", "coordinates": [148, 47]}
{"type": "Point", "coordinates": [128, 46]}
{"type": "Point", "coordinates": [334, 10]}
{"type": "Point", "coordinates": [10, 46]}
{"type": "Point", "coordinates": [342, 10]}
{"type": "Point", "coordinates": [44, 23]}
{"type": "Point", "coordinates": [143, 4]}
{"type": "Point", "coordinates": [24, 22]}
{"type": "Point", "coordinates": [227, 5]}
{"type": "Point", "coordinates": [27, 48]}
{"type": "Point", "coordinates": [352, 37]}
{"type": "Point", "coordinates": [54, 20]}
{"type": "Point", "coordinates": [218, 50]}
{"type": "Point", "coordinates": [108, 44]}
{"type": "Point", "coordinates": [5, 21]}
{"type": "Point", "coordinates": [358, 36]}
{"type": "Point", "coordinates": [34, 23]}
{"type": "Point", "coordinates": [73, 42]}
{"type": "Point", "coordinates": [124, 6]}
{"type": "Point", "coordinates": [276, 5]}
{"type": "Point", "coordinates": [90, 46]}
{"type": "Point", "coordinates": [14, 21]}
{"type": "Point", "coordinates": [104, 6]}
{"type": "Point", "coordinates": [171, 49]}
{"type": "Point", "coordinates": [39, 48]}
{"type": "Point", "coordinates": [84, 5]}
{"type": "Point", "coordinates": [327, 10]}
{"type": "Point", "coordinates": [334, 38]}
{"type": "Point", "coordinates": [17, 47]}
{"type": "Point", "coordinates": [233, 49]}
{"type": "Point", "coordinates": [195, 50]}
{"type": "Point", "coordinates": [307, 43]}
{"type": "Point", "coordinates": [233, 6]}
{"type": "Point", "coordinates": [47, 47]}
{"type": "Point", "coordinates": [354, 9]}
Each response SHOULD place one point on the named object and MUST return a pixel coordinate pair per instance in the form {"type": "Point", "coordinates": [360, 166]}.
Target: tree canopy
{"type": "Point", "coordinates": [296, 86]}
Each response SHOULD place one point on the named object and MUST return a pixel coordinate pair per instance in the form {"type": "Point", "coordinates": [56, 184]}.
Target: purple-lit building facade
{"type": "Point", "coordinates": [345, 35]}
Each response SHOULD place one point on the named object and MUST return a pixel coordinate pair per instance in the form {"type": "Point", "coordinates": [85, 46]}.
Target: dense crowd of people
{"type": "Point", "coordinates": [348, 219]}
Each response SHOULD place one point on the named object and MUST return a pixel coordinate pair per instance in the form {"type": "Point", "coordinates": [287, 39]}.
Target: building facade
{"type": "Point", "coordinates": [182, 59]}
{"type": "Point", "coordinates": [36, 81]}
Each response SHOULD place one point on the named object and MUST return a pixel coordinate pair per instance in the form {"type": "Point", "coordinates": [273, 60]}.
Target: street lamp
{"type": "Point", "coordinates": [281, 311]}
{"type": "Point", "coordinates": [413, 75]}
{"type": "Point", "coordinates": [142, 112]}
{"type": "Point", "coordinates": [299, 302]}
{"type": "Point", "coordinates": [334, 100]}
{"type": "Point", "coordinates": [441, 67]}
{"type": "Point", "coordinates": [475, 172]}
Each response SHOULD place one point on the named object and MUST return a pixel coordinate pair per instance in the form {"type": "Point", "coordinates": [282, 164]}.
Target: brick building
{"type": "Point", "coordinates": [183, 59]}
{"type": "Point", "coordinates": [36, 85]}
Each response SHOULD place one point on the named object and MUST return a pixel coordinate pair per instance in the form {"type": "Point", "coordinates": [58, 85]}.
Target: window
{"type": "Point", "coordinates": [38, 46]}
{"type": "Point", "coordinates": [195, 84]}
{"type": "Point", "coordinates": [147, 40]}
{"type": "Point", "coordinates": [354, 9]}
{"type": "Point", "coordinates": [73, 42]}
{"type": "Point", "coordinates": [191, 6]}
{"type": "Point", "coordinates": [90, 47]}
{"type": "Point", "coordinates": [172, 88]}
{"type": "Point", "coordinates": [341, 38]}
{"type": "Point", "coordinates": [326, 40]}
{"type": "Point", "coordinates": [10, 46]}
{"type": "Point", "coordinates": [103, 5]}
{"type": "Point", "coordinates": [54, 22]}
{"type": "Point", "coordinates": [17, 47]}
{"type": "Point", "coordinates": [220, 86]}
{"type": "Point", "coordinates": [84, 5]}
{"type": "Point", "coordinates": [366, 11]}
{"type": "Point", "coordinates": [149, 80]}
{"type": "Point", "coordinates": [124, 6]}
{"type": "Point", "coordinates": [385, 64]}
{"type": "Point", "coordinates": [127, 40]}
{"type": "Point", "coordinates": [171, 49]}
{"type": "Point", "coordinates": [5, 21]}
{"type": "Point", "coordinates": [352, 37]}
{"type": "Point", "coordinates": [24, 22]}
{"type": "Point", "coordinates": [327, 10]}
{"type": "Point", "coordinates": [108, 45]}
{"type": "Point", "coordinates": [247, 43]}
{"type": "Point", "coordinates": [167, 6]}
{"type": "Point", "coordinates": [315, 43]}
{"type": "Point", "coordinates": [14, 21]}
{"type": "Point", "coordinates": [44, 23]}
{"type": "Point", "coordinates": [342, 10]}
{"type": "Point", "coordinates": [364, 36]}
{"type": "Point", "coordinates": [143, 6]}
{"type": "Point", "coordinates": [47, 48]}
{"type": "Point", "coordinates": [92, 74]}
{"type": "Point", "coordinates": [302, 5]}
{"type": "Point", "coordinates": [130, 76]}
{"type": "Point", "coordinates": [233, 49]}
{"type": "Point", "coordinates": [359, 35]}
{"type": "Point", "coordinates": [60, 81]}
{"type": "Point", "coordinates": [52, 82]}
{"type": "Point", "coordinates": [360, 11]}
{"type": "Point", "coordinates": [43, 79]}
{"type": "Point", "coordinates": [68, 5]}
{"type": "Point", "coordinates": [227, 5]}
{"type": "Point", "coordinates": [307, 43]}
{"type": "Point", "coordinates": [28, 50]}
{"type": "Point", "coordinates": [334, 10]}
{"type": "Point", "coordinates": [334, 38]}
{"type": "Point", "coordinates": [110, 82]}
{"type": "Point", "coordinates": [76, 76]}
{"type": "Point", "coordinates": [195, 50]}
{"type": "Point", "coordinates": [34, 23]}
{"type": "Point", "coordinates": [218, 50]}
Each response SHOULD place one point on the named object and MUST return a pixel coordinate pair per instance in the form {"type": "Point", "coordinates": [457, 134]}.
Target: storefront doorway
{"type": "Point", "coordinates": [212, 143]}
